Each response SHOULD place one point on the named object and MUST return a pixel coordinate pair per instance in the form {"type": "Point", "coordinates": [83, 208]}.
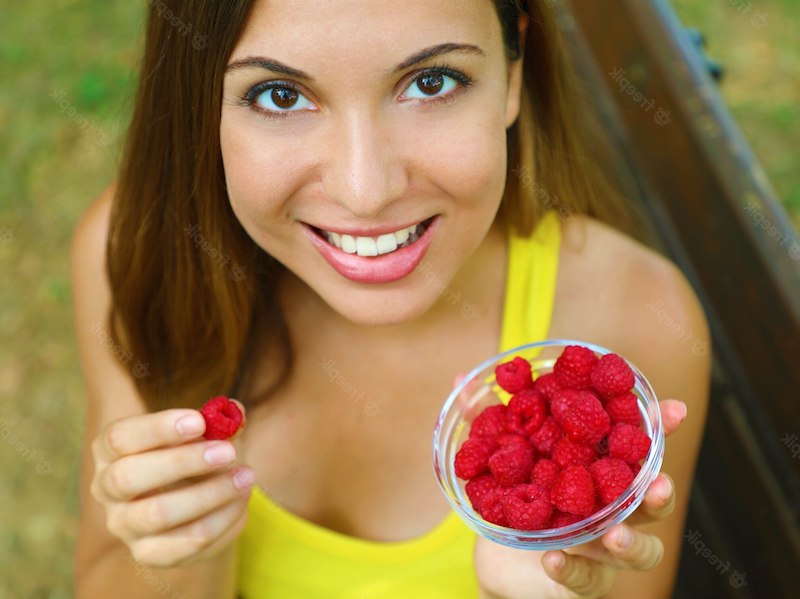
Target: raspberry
{"type": "Point", "coordinates": [511, 439]}
{"type": "Point", "coordinates": [527, 515]}
{"type": "Point", "coordinates": [223, 418]}
{"type": "Point", "coordinates": [490, 422]}
{"type": "Point", "coordinates": [491, 507]}
{"type": "Point", "coordinates": [473, 457]}
{"type": "Point", "coordinates": [564, 400]}
{"type": "Point", "coordinates": [612, 376]}
{"type": "Point", "coordinates": [573, 491]}
{"type": "Point", "coordinates": [628, 443]}
{"type": "Point", "coordinates": [623, 408]}
{"type": "Point", "coordinates": [514, 376]}
{"type": "Point", "coordinates": [478, 487]}
{"type": "Point", "coordinates": [526, 412]}
{"type": "Point", "coordinates": [611, 477]}
{"type": "Point", "coordinates": [586, 422]}
{"type": "Point", "coordinates": [545, 472]}
{"type": "Point", "coordinates": [546, 386]}
{"type": "Point", "coordinates": [564, 519]}
{"type": "Point", "coordinates": [512, 465]}
{"type": "Point", "coordinates": [567, 453]}
{"type": "Point", "coordinates": [573, 369]}
{"type": "Point", "coordinates": [545, 439]}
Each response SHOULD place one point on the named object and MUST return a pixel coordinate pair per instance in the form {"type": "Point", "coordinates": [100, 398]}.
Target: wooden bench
{"type": "Point", "coordinates": [708, 205]}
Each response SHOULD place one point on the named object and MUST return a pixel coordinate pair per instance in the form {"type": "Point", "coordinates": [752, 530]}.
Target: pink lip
{"type": "Point", "coordinates": [375, 269]}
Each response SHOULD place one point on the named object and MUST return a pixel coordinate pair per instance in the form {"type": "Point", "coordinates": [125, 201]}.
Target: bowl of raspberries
{"type": "Point", "coordinates": [548, 445]}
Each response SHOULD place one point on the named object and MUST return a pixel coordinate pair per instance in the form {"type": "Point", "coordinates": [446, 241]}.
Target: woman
{"type": "Point", "coordinates": [328, 210]}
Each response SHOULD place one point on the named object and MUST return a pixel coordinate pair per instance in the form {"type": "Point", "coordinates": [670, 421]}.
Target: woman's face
{"type": "Point", "coordinates": [364, 144]}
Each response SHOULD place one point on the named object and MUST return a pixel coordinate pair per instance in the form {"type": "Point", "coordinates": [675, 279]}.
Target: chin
{"type": "Point", "coordinates": [381, 307]}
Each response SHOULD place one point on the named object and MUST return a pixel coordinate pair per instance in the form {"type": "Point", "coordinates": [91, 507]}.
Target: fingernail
{"type": "Point", "coordinates": [685, 411]}
{"type": "Point", "coordinates": [219, 454]}
{"type": "Point", "coordinates": [624, 539]}
{"type": "Point", "coordinates": [243, 479]}
{"type": "Point", "coordinates": [190, 426]}
{"type": "Point", "coordinates": [559, 561]}
{"type": "Point", "coordinates": [664, 489]}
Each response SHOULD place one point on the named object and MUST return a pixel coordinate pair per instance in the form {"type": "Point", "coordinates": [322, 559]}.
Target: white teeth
{"type": "Point", "coordinates": [348, 244]}
{"type": "Point", "coordinates": [373, 246]}
{"type": "Point", "coordinates": [366, 246]}
{"type": "Point", "coordinates": [387, 243]}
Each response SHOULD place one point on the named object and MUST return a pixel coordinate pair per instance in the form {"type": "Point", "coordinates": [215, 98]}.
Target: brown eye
{"type": "Point", "coordinates": [430, 84]}
{"type": "Point", "coordinates": [283, 97]}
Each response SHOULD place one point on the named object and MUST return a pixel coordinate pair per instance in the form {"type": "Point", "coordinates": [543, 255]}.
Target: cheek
{"type": "Point", "coordinates": [257, 173]}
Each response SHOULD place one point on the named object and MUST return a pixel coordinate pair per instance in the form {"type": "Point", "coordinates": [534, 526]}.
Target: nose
{"type": "Point", "coordinates": [363, 173]}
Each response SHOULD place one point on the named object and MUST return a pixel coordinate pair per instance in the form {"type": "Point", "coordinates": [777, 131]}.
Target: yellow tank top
{"type": "Point", "coordinates": [283, 556]}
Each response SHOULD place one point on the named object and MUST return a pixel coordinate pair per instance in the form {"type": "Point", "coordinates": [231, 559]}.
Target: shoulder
{"type": "Point", "coordinates": [634, 301]}
{"type": "Point", "coordinates": [91, 232]}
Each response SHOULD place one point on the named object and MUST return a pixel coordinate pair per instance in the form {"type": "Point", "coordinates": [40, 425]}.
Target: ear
{"type": "Point", "coordinates": [515, 76]}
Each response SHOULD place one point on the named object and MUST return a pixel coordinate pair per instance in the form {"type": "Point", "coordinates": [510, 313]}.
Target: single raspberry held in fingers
{"type": "Point", "coordinates": [612, 376]}
{"type": "Point", "coordinates": [586, 422]}
{"type": "Point", "coordinates": [514, 376]}
{"type": "Point", "coordinates": [490, 422]}
{"type": "Point", "coordinates": [473, 457]}
{"type": "Point", "coordinates": [512, 465]}
{"type": "Point", "coordinates": [623, 408]}
{"type": "Point", "coordinates": [526, 412]}
{"type": "Point", "coordinates": [628, 443]}
{"type": "Point", "coordinates": [573, 369]}
{"type": "Point", "coordinates": [223, 418]}
{"type": "Point", "coordinates": [573, 491]}
{"type": "Point", "coordinates": [611, 477]}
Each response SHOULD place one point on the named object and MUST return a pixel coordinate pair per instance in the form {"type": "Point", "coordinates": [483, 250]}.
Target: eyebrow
{"type": "Point", "coordinates": [270, 64]}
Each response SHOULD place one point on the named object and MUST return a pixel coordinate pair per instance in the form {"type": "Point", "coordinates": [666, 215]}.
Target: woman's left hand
{"type": "Point", "coordinates": [585, 571]}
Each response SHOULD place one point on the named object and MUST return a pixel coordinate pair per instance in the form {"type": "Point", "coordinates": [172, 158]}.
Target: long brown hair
{"type": "Point", "coordinates": [192, 294]}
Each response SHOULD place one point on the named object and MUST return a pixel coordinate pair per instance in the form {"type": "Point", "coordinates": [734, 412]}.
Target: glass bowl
{"type": "Point", "coordinates": [479, 390]}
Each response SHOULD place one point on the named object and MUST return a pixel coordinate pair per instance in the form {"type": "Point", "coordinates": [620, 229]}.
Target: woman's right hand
{"type": "Point", "coordinates": [171, 496]}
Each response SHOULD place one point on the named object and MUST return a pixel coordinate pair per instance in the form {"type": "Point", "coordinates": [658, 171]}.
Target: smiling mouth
{"type": "Point", "coordinates": [375, 246]}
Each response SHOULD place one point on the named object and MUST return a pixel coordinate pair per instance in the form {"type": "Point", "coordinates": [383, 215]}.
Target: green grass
{"type": "Point", "coordinates": [54, 164]}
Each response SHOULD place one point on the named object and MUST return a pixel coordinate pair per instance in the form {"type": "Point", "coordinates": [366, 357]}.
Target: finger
{"type": "Point", "coordinates": [132, 476]}
{"type": "Point", "coordinates": [165, 511]}
{"type": "Point", "coordinates": [137, 434]}
{"type": "Point", "coordinates": [180, 544]}
{"type": "Point", "coordinates": [673, 412]}
{"type": "Point", "coordinates": [658, 503]}
{"type": "Point", "coordinates": [581, 575]}
{"type": "Point", "coordinates": [632, 548]}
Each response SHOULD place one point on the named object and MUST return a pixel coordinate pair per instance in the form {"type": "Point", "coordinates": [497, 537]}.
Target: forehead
{"type": "Point", "coordinates": [322, 31]}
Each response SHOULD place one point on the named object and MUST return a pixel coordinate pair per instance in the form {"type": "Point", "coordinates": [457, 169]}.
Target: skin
{"type": "Point", "coordinates": [360, 160]}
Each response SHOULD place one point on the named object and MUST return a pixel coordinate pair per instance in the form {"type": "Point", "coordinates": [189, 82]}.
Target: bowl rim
{"type": "Point", "coordinates": [588, 528]}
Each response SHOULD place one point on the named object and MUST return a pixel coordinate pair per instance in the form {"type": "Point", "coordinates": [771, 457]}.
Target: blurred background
{"type": "Point", "coordinates": [67, 71]}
